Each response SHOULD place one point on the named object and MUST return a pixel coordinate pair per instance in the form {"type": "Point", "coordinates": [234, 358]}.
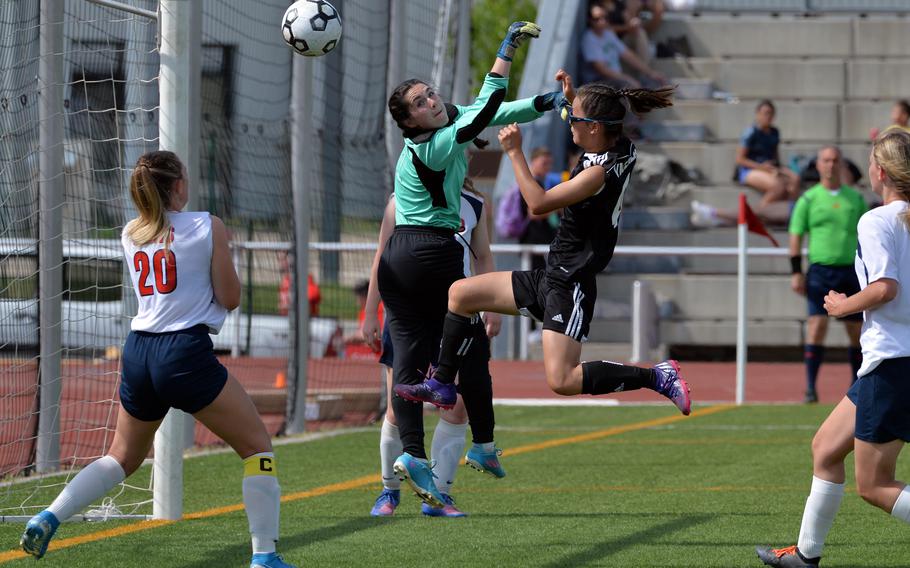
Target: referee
{"type": "Point", "coordinates": [828, 213]}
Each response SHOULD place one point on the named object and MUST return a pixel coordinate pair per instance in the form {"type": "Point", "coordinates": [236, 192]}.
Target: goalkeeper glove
{"type": "Point", "coordinates": [518, 32]}
{"type": "Point", "coordinates": [552, 101]}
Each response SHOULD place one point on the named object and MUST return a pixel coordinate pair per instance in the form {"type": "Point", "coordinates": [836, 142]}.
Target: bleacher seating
{"type": "Point", "coordinates": [832, 76]}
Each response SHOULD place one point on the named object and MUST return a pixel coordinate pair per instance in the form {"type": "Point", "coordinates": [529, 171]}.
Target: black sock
{"type": "Point", "coordinates": [814, 356]}
{"type": "Point", "coordinates": [603, 377]}
{"type": "Point", "coordinates": [855, 354]}
{"type": "Point", "coordinates": [410, 426]}
{"type": "Point", "coordinates": [476, 387]}
{"type": "Point", "coordinates": [457, 335]}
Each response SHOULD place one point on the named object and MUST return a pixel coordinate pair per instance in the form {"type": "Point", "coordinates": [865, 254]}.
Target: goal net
{"type": "Point", "coordinates": [110, 112]}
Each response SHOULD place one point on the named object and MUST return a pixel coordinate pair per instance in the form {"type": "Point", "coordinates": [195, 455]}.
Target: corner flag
{"type": "Point", "coordinates": [753, 224]}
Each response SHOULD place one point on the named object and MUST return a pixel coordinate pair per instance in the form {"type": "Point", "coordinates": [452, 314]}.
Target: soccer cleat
{"type": "Point", "coordinates": [420, 477]}
{"type": "Point", "coordinates": [668, 381]}
{"type": "Point", "coordinates": [386, 503]}
{"type": "Point", "coordinates": [38, 533]}
{"type": "Point", "coordinates": [442, 395]}
{"type": "Point", "coordinates": [485, 462]}
{"type": "Point", "coordinates": [449, 510]}
{"type": "Point", "coordinates": [789, 557]}
{"type": "Point", "coordinates": [811, 397]}
{"type": "Point", "coordinates": [269, 560]}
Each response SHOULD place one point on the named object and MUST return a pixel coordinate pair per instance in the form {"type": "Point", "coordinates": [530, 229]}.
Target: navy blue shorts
{"type": "Point", "coordinates": [882, 400]}
{"type": "Point", "coordinates": [388, 354]}
{"type": "Point", "coordinates": [175, 369]}
{"type": "Point", "coordinates": [820, 279]}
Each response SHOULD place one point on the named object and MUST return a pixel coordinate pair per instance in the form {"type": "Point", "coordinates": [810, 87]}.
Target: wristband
{"type": "Point", "coordinates": [796, 264]}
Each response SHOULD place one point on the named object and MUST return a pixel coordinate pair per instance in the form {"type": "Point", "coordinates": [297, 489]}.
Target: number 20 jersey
{"type": "Point", "coordinates": [174, 285]}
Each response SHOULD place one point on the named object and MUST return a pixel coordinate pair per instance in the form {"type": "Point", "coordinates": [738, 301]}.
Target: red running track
{"type": "Point", "coordinates": [88, 409]}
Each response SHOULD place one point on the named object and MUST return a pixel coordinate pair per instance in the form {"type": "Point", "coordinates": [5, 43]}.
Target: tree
{"type": "Point", "coordinates": [489, 21]}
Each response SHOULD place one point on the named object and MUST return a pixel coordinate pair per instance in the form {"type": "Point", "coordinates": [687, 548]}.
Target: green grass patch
{"type": "Point", "coordinates": [701, 491]}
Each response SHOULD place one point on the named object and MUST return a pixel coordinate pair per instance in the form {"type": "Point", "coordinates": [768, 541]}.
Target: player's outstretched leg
{"type": "Point", "coordinates": [485, 459]}
{"type": "Point", "coordinates": [668, 381]}
{"type": "Point", "coordinates": [38, 533]}
{"type": "Point", "coordinates": [789, 557]}
{"type": "Point", "coordinates": [421, 479]}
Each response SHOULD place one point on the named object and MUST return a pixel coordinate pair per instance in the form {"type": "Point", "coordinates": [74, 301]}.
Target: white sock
{"type": "Point", "coordinates": [389, 449]}
{"type": "Point", "coordinates": [487, 447]}
{"type": "Point", "coordinates": [89, 485]}
{"type": "Point", "coordinates": [446, 450]}
{"type": "Point", "coordinates": [262, 500]}
{"type": "Point", "coordinates": [901, 508]}
{"type": "Point", "coordinates": [818, 516]}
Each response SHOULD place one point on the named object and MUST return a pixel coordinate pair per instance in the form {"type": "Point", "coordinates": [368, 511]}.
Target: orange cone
{"type": "Point", "coordinates": [281, 380]}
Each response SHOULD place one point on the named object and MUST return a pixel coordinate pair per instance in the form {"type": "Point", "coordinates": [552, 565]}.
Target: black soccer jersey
{"type": "Point", "coordinates": [588, 231]}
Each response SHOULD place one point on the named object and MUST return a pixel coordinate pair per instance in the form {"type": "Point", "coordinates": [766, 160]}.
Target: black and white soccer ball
{"type": "Point", "coordinates": [311, 27]}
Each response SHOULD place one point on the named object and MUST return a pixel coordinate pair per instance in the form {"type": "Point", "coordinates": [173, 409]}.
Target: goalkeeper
{"type": "Point", "coordinates": [422, 258]}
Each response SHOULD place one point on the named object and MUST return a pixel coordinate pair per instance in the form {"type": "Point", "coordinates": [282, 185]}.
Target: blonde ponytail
{"type": "Point", "coordinates": [891, 150]}
{"type": "Point", "coordinates": [151, 183]}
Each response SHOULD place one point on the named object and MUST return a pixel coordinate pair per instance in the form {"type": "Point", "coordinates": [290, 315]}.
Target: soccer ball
{"type": "Point", "coordinates": [311, 27]}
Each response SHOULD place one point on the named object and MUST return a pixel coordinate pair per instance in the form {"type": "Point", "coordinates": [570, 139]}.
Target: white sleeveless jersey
{"type": "Point", "coordinates": [471, 207]}
{"type": "Point", "coordinates": [883, 251]}
{"type": "Point", "coordinates": [174, 286]}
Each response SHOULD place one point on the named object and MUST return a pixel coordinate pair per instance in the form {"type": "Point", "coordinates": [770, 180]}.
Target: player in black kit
{"type": "Point", "coordinates": [562, 295]}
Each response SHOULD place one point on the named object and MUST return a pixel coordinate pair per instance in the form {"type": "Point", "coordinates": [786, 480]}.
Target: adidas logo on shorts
{"type": "Point", "coordinates": [557, 318]}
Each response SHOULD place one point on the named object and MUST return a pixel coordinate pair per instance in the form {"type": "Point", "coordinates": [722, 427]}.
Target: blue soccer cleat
{"type": "Point", "coordinates": [485, 462]}
{"type": "Point", "coordinates": [269, 560]}
{"type": "Point", "coordinates": [386, 503]}
{"type": "Point", "coordinates": [439, 394]}
{"type": "Point", "coordinates": [38, 533]}
{"type": "Point", "coordinates": [420, 477]}
{"type": "Point", "coordinates": [449, 510]}
{"type": "Point", "coordinates": [668, 381]}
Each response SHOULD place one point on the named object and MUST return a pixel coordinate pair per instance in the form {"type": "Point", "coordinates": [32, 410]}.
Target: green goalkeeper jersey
{"type": "Point", "coordinates": [830, 219]}
{"type": "Point", "coordinates": [432, 166]}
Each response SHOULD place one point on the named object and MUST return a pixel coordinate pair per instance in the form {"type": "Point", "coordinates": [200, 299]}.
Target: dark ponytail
{"type": "Point", "coordinates": [603, 102]}
{"type": "Point", "coordinates": [642, 101]}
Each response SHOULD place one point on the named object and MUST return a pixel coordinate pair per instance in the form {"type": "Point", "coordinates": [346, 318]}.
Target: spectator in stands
{"type": "Point", "coordinates": [757, 166]}
{"type": "Point", "coordinates": [634, 29]}
{"type": "Point", "coordinates": [758, 159]}
{"type": "Point", "coordinates": [603, 53]}
{"type": "Point", "coordinates": [827, 213]}
{"type": "Point", "coordinates": [900, 118]}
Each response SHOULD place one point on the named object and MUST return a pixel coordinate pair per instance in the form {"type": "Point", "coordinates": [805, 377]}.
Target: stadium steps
{"type": "Point", "coordinates": [843, 35]}
{"type": "Point", "coordinates": [725, 122]}
{"type": "Point", "coordinates": [818, 78]}
{"type": "Point", "coordinates": [715, 161]}
{"type": "Point", "coordinates": [701, 310]}
{"type": "Point", "coordinates": [727, 196]}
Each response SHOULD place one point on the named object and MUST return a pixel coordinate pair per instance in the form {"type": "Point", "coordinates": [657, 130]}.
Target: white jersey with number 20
{"type": "Point", "coordinates": [174, 284]}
